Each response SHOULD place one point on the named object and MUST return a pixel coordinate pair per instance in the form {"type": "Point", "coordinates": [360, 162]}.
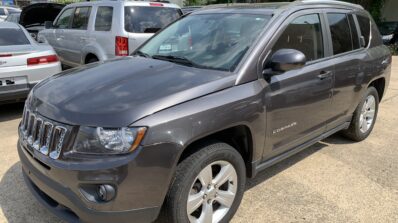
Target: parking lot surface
{"type": "Point", "coordinates": [335, 180]}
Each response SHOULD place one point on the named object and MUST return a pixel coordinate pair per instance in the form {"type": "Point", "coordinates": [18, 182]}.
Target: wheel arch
{"type": "Point", "coordinates": [239, 137]}
{"type": "Point", "coordinates": [379, 84]}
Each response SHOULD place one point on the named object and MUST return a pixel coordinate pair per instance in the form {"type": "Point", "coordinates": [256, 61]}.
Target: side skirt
{"type": "Point", "coordinates": [259, 166]}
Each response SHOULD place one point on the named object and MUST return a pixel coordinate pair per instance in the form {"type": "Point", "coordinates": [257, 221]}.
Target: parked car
{"type": "Point", "coordinates": [96, 31]}
{"type": "Point", "coordinates": [387, 30]}
{"type": "Point", "coordinates": [35, 15]}
{"type": "Point", "coordinates": [189, 9]}
{"type": "Point", "coordinates": [219, 95]}
{"type": "Point", "coordinates": [6, 10]}
{"type": "Point", "coordinates": [13, 17]}
{"type": "Point", "coordinates": [23, 62]}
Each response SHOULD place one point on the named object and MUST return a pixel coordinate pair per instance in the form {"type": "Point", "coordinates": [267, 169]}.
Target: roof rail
{"type": "Point", "coordinates": [331, 2]}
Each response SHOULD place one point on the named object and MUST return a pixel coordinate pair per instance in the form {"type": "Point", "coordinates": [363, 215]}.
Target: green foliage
{"type": "Point", "coordinates": [394, 49]}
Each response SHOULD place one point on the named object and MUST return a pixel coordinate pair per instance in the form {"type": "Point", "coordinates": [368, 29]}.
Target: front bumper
{"type": "Point", "coordinates": [141, 180]}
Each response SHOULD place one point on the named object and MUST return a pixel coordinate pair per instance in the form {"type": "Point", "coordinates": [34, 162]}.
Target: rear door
{"type": "Point", "coordinates": [103, 30]}
{"type": "Point", "coordinates": [298, 101]}
{"type": "Point", "coordinates": [347, 55]}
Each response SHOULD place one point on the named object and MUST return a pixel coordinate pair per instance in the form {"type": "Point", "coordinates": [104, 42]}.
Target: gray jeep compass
{"type": "Point", "coordinates": [173, 131]}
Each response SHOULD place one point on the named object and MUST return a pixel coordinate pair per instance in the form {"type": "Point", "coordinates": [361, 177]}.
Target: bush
{"type": "Point", "coordinates": [394, 49]}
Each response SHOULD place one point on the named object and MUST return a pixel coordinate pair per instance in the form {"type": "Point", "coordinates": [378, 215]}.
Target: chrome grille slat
{"type": "Point", "coordinates": [38, 138]}
{"type": "Point", "coordinates": [42, 134]}
{"type": "Point", "coordinates": [45, 149]}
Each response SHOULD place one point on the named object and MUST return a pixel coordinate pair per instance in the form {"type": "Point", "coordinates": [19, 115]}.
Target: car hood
{"type": "Point", "coordinates": [39, 13]}
{"type": "Point", "coordinates": [119, 92]}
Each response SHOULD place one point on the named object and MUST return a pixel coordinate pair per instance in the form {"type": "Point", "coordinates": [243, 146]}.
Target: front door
{"type": "Point", "coordinates": [298, 102]}
{"type": "Point", "coordinates": [77, 36]}
{"type": "Point", "coordinates": [61, 25]}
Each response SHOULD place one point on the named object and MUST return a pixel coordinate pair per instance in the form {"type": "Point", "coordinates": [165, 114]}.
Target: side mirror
{"type": "Point", "coordinates": [48, 24]}
{"type": "Point", "coordinates": [287, 59]}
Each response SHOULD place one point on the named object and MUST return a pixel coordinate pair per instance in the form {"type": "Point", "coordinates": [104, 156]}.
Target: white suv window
{"type": "Point", "coordinates": [2, 12]}
{"type": "Point", "coordinates": [64, 19]}
{"type": "Point", "coordinates": [138, 19]}
{"type": "Point", "coordinates": [80, 18]}
{"type": "Point", "coordinates": [103, 20]}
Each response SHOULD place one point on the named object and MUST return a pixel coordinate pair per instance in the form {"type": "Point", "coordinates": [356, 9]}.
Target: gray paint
{"type": "Point", "coordinates": [182, 105]}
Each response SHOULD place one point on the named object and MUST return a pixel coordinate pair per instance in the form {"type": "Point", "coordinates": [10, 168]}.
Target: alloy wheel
{"type": "Point", "coordinates": [367, 114]}
{"type": "Point", "coordinates": [212, 193]}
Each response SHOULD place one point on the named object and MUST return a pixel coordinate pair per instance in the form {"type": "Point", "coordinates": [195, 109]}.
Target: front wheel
{"type": "Point", "coordinates": [208, 186]}
{"type": "Point", "coordinates": [364, 116]}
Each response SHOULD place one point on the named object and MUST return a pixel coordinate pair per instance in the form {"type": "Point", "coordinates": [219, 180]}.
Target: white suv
{"type": "Point", "coordinates": [6, 10]}
{"type": "Point", "coordinates": [96, 31]}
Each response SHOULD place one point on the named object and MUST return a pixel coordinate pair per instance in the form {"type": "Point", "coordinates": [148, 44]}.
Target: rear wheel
{"type": "Point", "coordinates": [208, 186]}
{"type": "Point", "coordinates": [364, 116]}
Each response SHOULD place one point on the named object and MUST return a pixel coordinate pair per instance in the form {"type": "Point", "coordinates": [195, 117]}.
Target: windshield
{"type": "Point", "coordinates": [148, 19]}
{"type": "Point", "coordinates": [213, 41]}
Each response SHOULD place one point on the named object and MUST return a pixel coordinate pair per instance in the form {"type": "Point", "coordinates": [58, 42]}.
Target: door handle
{"type": "Point", "coordinates": [324, 75]}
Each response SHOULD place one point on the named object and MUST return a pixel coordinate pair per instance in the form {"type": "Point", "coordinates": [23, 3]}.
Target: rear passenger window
{"type": "Point", "coordinates": [80, 19]}
{"type": "Point", "coordinates": [103, 20]}
{"type": "Point", "coordinates": [340, 31]}
{"type": "Point", "coordinates": [303, 34]}
{"type": "Point", "coordinates": [2, 12]}
{"type": "Point", "coordinates": [354, 33]}
{"type": "Point", "coordinates": [364, 25]}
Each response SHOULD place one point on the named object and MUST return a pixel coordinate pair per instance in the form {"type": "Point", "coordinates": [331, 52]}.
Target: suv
{"type": "Point", "coordinates": [96, 31]}
{"type": "Point", "coordinates": [6, 10]}
{"type": "Point", "coordinates": [212, 99]}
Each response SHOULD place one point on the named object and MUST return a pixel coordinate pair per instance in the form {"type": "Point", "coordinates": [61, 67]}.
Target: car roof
{"type": "Point", "coordinates": [125, 3]}
{"type": "Point", "coordinates": [272, 7]}
{"type": "Point", "coordinates": [9, 25]}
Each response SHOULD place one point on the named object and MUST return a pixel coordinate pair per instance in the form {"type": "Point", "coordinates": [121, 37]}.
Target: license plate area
{"type": "Point", "coordinates": [13, 83]}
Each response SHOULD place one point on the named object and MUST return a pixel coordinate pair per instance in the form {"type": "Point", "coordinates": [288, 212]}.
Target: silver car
{"type": "Point", "coordinates": [96, 31]}
{"type": "Point", "coordinates": [23, 62]}
{"type": "Point", "coordinates": [6, 10]}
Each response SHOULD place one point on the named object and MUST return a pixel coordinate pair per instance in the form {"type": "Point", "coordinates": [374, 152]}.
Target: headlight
{"type": "Point", "coordinates": [108, 140]}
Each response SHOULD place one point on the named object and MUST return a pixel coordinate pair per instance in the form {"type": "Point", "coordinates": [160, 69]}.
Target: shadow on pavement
{"type": "Point", "coordinates": [283, 165]}
{"type": "Point", "coordinates": [11, 111]}
{"type": "Point", "coordinates": [16, 201]}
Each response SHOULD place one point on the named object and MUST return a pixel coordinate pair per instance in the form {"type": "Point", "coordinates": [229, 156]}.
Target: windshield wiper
{"type": "Point", "coordinates": [179, 60]}
{"type": "Point", "coordinates": [34, 24]}
{"type": "Point", "coordinates": [142, 54]}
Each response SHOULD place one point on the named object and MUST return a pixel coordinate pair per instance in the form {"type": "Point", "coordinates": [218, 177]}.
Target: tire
{"type": "Point", "coordinates": [92, 60]}
{"type": "Point", "coordinates": [187, 184]}
{"type": "Point", "coordinates": [356, 131]}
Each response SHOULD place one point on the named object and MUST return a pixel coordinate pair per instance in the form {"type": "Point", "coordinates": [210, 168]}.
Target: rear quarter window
{"type": "Point", "coordinates": [103, 19]}
{"type": "Point", "coordinates": [148, 19]}
{"type": "Point", "coordinates": [12, 37]}
{"type": "Point", "coordinates": [364, 26]}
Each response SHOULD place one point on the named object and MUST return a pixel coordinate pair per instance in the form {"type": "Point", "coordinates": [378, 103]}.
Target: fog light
{"type": "Point", "coordinates": [106, 192]}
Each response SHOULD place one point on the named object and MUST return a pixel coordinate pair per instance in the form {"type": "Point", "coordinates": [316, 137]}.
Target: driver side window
{"type": "Point", "coordinates": [64, 19]}
{"type": "Point", "coordinates": [305, 35]}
